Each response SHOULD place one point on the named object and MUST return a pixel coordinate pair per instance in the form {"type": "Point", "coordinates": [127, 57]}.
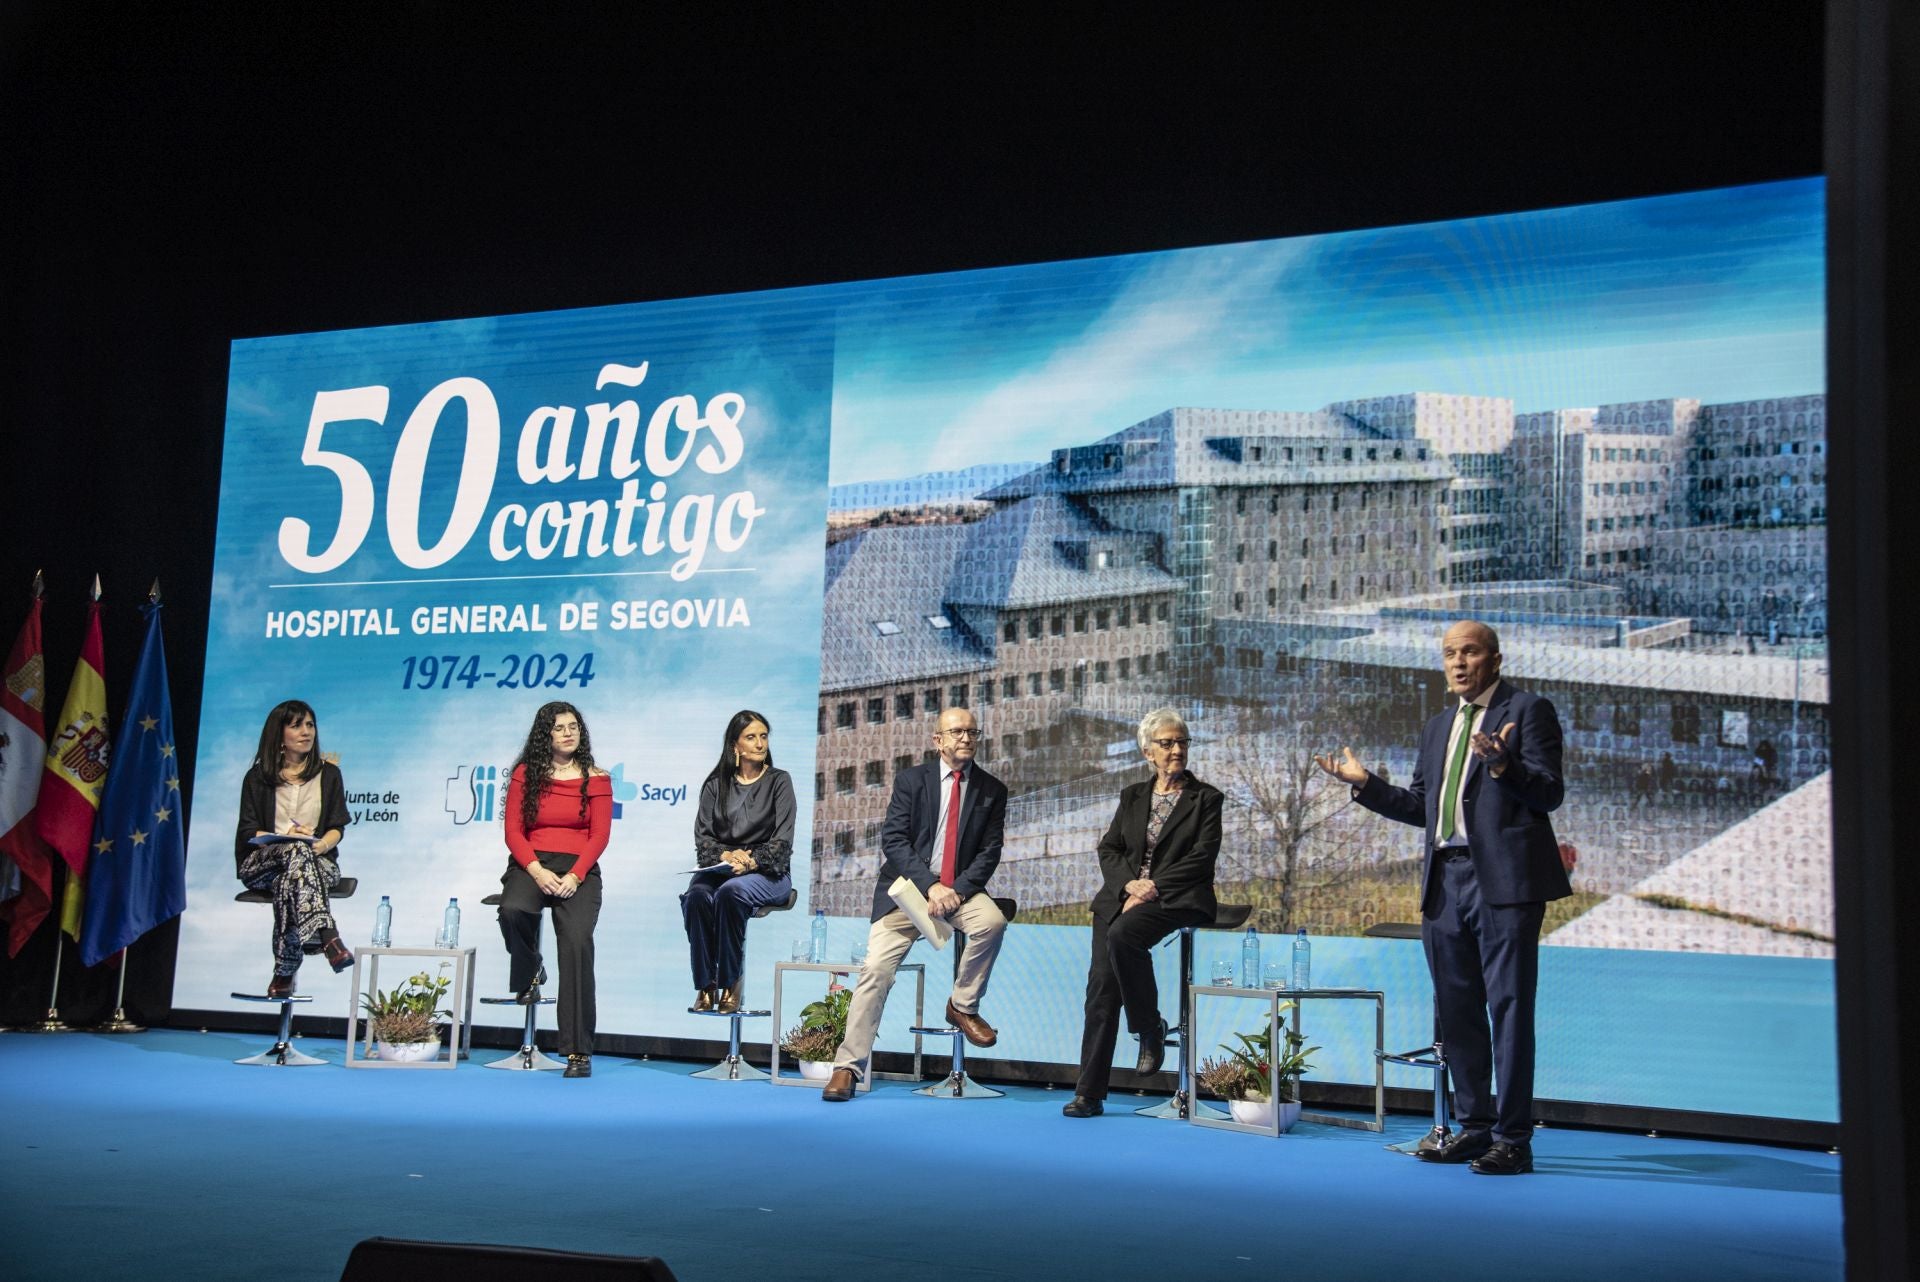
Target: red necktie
{"type": "Point", "coordinates": [951, 846]}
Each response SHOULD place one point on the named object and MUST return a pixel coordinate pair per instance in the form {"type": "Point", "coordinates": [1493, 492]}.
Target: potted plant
{"type": "Point", "coordinates": [1244, 1078]}
{"type": "Point", "coordinates": [823, 1025]}
{"type": "Point", "coordinates": [405, 1022]}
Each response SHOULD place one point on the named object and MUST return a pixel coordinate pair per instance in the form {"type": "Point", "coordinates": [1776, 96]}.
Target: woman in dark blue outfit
{"type": "Point", "coordinates": [743, 838]}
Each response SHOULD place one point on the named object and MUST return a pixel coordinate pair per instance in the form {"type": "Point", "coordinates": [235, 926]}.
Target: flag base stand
{"type": "Point", "coordinates": [119, 1024]}
{"type": "Point", "coordinates": [51, 1024]}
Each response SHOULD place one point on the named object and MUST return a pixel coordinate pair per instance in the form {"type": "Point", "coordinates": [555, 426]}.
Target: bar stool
{"type": "Point", "coordinates": [734, 1068]}
{"type": "Point", "coordinates": [1183, 1104]}
{"type": "Point", "coordinates": [956, 1084]}
{"type": "Point", "coordinates": [528, 1058]}
{"type": "Point", "coordinates": [342, 889]}
{"type": "Point", "coordinates": [282, 1054]}
{"type": "Point", "coordinates": [1433, 1057]}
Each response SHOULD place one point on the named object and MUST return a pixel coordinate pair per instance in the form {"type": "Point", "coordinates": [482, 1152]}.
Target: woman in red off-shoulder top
{"type": "Point", "coordinates": [558, 812]}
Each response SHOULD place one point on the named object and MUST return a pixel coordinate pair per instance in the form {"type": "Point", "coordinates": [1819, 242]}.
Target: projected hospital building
{"type": "Point", "coordinates": [1655, 567]}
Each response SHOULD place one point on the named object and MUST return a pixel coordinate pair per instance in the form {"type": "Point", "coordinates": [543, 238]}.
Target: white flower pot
{"type": "Point", "coordinates": [406, 1052]}
{"type": "Point", "coordinates": [1259, 1112]}
{"type": "Point", "coordinates": [816, 1070]}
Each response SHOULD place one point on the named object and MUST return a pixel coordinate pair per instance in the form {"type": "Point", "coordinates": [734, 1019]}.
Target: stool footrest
{"type": "Point", "coordinates": [515, 1001]}
{"type": "Point", "coordinates": [731, 1014]}
{"type": "Point", "coordinates": [945, 1030]}
{"type": "Point", "coordinates": [262, 997]}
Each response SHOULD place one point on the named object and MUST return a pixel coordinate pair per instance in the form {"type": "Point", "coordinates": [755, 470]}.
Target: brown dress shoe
{"type": "Point", "coordinates": [729, 1001]}
{"type": "Point", "coordinates": [840, 1086]}
{"type": "Point", "coordinates": [705, 999]}
{"type": "Point", "coordinates": [338, 955]}
{"type": "Point", "coordinates": [281, 986]}
{"type": "Point", "coordinates": [972, 1027]}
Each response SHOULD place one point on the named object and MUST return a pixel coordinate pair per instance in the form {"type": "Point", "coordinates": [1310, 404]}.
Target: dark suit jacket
{"type": "Point", "coordinates": [913, 816]}
{"type": "Point", "coordinates": [256, 809]}
{"type": "Point", "coordinates": [1515, 855]}
{"type": "Point", "coordinates": [1183, 861]}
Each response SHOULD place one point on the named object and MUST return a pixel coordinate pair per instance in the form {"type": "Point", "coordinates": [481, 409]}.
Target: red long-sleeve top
{"type": "Point", "coordinates": [559, 827]}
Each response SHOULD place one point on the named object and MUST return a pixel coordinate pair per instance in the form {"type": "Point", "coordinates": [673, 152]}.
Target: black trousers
{"type": "Point", "coordinates": [573, 922]}
{"type": "Point", "coordinates": [1120, 976]}
{"type": "Point", "coordinates": [1485, 960]}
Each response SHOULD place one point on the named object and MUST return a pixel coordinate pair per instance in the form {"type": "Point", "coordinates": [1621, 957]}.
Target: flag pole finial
{"type": "Point", "coordinates": [96, 586]}
{"type": "Point", "coordinates": [153, 593]}
{"type": "Point", "coordinates": [39, 584]}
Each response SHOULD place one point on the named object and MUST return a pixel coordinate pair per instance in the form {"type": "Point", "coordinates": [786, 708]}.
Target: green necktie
{"type": "Point", "coordinates": [1456, 765]}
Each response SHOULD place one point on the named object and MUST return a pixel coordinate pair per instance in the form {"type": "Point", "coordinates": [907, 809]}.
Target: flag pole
{"type": "Point", "coordinates": [53, 1023]}
{"type": "Point", "coordinates": [119, 1023]}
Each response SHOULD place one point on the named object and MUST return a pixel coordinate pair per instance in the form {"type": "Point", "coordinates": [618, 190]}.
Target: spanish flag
{"type": "Point", "coordinates": [76, 771]}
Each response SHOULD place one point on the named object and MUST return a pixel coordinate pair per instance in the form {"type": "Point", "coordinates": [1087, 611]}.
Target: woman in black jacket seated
{"type": "Point", "coordinates": [290, 793]}
{"type": "Point", "coordinates": [1156, 871]}
{"type": "Point", "coordinates": [743, 839]}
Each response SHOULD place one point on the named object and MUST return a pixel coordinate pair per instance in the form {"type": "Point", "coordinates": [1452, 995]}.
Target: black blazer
{"type": "Point", "coordinates": [1183, 862]}
{"type": "Point", "coordinates": [913, 816]}
{"type": "Point", "coordinates": [256, 808]}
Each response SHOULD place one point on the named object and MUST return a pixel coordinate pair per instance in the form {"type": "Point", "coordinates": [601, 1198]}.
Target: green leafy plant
{"type": "Point", "coordinates": [410, 1012]}
{"type": "Point", "coordinates": [822, 1026]}
{"type": "Point", "coordinates": [1246, 1072]}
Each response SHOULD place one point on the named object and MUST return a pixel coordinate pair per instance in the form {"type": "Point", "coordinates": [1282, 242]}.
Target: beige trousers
{"type": "Point", "coordinates": [979, 919]}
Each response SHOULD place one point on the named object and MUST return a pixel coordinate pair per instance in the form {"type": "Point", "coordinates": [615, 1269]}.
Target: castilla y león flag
{"type": "Point", "coordinates": [23, 752]}
{"type": "Point", "coordinates": [76, 772]}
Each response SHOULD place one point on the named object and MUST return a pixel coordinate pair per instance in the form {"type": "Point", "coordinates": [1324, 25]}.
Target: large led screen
{"type": "Point", "coordinates": [1251, 481]}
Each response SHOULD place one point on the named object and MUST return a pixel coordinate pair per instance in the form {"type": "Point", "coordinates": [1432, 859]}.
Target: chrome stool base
{"type": "Point", "coordinates": [734, 1068]}
{"type": "Point", "coordinates": [281, 1054]}
{"type": "Point", "coordinates": [528, 1058]}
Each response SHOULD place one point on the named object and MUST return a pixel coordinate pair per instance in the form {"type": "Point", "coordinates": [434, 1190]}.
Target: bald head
{"type": "Point", "coordinates": [1470, 658]}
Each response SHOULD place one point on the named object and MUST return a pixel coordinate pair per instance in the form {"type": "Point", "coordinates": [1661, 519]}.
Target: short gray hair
{"type": "Point", "coordinates": [1151, 723]}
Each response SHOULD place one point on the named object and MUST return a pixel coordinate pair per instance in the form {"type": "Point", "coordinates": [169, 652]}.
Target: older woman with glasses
{"type": "Point", "coordinates": [1156, 870]}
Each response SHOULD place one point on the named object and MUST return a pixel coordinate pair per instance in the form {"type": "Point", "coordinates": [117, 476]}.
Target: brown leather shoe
{"type": "Point", "coordinates": [338, 955]}
{"type": "Point", "coordinates": [840, 1086]}
{"type": "Point", "coordinates": [729, 1001]}
{"type": "Point", "coordinates": [281, 986]}
{"type": "Point", "coordinates": [972, 1027]}
{"type": "Point", "coordinates": [705, 999]}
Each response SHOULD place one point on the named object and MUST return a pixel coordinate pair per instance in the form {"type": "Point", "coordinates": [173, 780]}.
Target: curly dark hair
{"type": "Point", "coordinates": [266, 762]}
{"type": "Point", "coordinates": [537, 757]}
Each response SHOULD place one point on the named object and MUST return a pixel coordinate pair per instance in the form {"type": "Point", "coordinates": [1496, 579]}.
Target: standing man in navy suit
{"type": "Point", "coordinates": [1487, 776]}
{"type": "Point", "coordinates": [942, 833]}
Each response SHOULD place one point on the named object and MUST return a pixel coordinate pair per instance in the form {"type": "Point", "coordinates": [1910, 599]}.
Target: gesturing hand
{"type": "Point", "coordinates": [1347, 769]}
{"type": "Point", "coordinates": [1492, 749]}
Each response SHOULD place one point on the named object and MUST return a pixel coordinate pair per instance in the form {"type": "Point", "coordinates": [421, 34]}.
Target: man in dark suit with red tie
{"type": "Point", "coordinates": [1487, 776]}
{"type": "Point", "coordinates": [942, 833]}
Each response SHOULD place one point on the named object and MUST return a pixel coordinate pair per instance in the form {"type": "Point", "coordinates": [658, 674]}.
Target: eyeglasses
{"type": "Point", "coordinates": [961, 734]}
{"type": "Point", "coordinates": [1168, 745]}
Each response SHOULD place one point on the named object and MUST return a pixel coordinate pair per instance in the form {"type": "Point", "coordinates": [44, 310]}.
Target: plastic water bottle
{"type": "Point", "coordinates": [817, 944]}
{"type": "Point", "coordinates": [1250, 960]}
{"type": "Point", "coordinates": [450, 925]}
{"type": "Point", "coordinates": [383, 923]}
{"type": "Point", "coordinates": [1302, 960]}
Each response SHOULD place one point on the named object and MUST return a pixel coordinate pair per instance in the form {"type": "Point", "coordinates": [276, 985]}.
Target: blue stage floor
{"type": "Point", "coordinates": [153, 1156]}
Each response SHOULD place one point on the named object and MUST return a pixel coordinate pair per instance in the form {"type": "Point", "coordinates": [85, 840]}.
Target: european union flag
{"type": "Point", "coordinates": [137, 877]}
